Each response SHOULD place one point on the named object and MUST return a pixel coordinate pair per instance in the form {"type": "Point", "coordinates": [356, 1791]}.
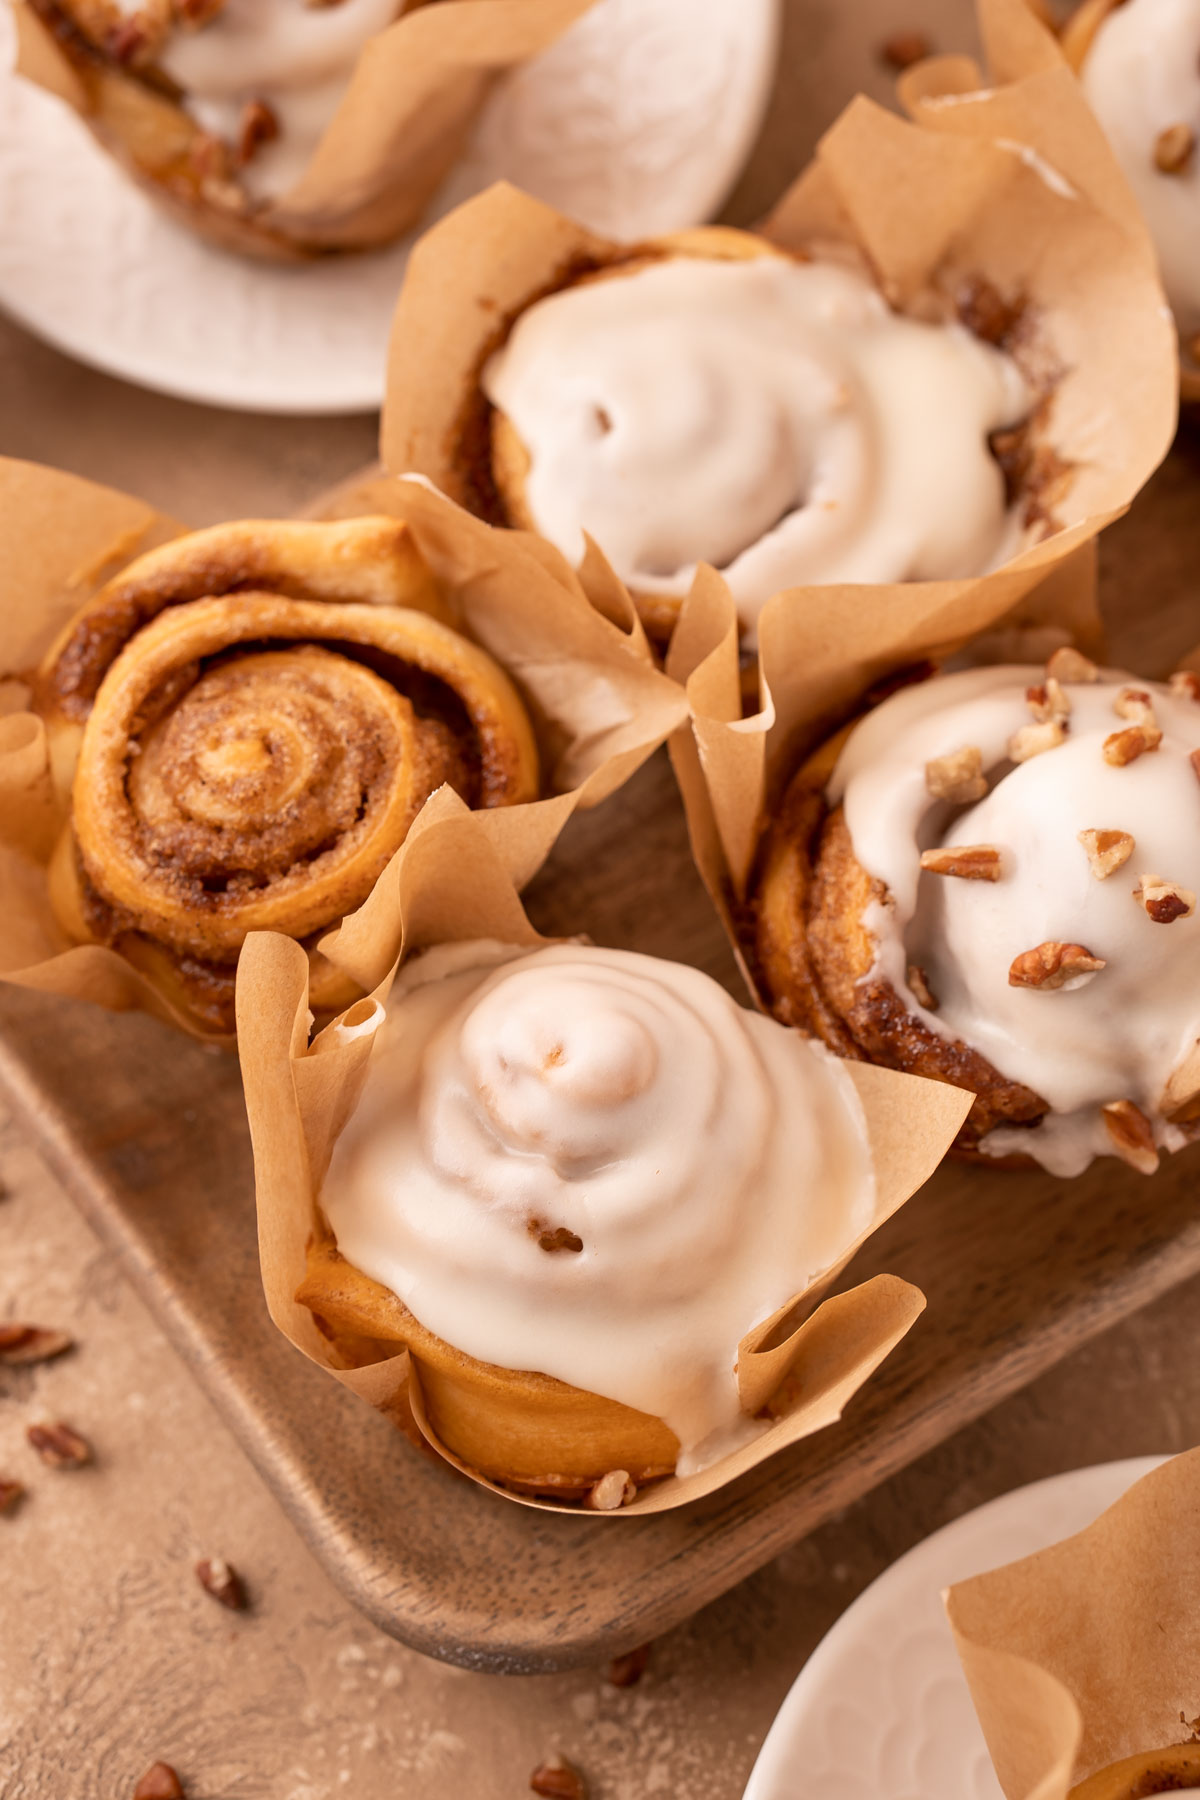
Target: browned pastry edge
{"type": "Point", "coordinates": [811, 954]}
{"type": "Point", "coordinates": [496, 1421]}
{"type": "Point", "coordinates": [1168, 1771]}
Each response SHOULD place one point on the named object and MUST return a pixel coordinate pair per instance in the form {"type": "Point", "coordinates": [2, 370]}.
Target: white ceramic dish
{"type": "Point", "coordinates": [881, 1710]}
{"type": "Point", "coordinates": [637, 121]}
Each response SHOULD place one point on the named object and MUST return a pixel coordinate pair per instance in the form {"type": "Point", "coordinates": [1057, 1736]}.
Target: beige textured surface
{"type": "Point", "coordinates": [110, 1656]}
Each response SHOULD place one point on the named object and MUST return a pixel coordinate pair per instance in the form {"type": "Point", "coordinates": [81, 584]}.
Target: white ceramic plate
{"type": "Point", "coordinates": [637, 121]}
{"type": "Point", "coordinates": [881, 1710]}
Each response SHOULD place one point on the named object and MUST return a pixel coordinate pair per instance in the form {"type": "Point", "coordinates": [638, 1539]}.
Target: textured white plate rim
{"type": "Point", "coordinates": [1095, 1488]}
{"type": "Point", "coordinates": [332, 389]}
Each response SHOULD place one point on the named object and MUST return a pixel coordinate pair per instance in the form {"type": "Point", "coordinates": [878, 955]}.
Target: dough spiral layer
{"type": "Point", "coordinates": [251, 760]}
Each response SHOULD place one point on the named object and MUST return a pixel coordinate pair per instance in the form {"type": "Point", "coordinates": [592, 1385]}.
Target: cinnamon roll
{"type": "Point", "coordinates": [718, 401]}
{"type": "Point", "coordinates": [1138, 1777]}
{"type": "Point", "coordinates": [577, 1178]}
{"type": "Point", "coordinates": [243, 725]}
{"type": "Point", "coordinates": [218, 106]}
{"type": "Point", "coordinates": [992, 881]}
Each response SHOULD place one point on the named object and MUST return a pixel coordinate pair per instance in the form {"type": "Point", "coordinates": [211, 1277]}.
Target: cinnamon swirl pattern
{"type": "Point", "coordinates": [994, 883]}
{"type": "Point", "coordinates": [577, 1178]}
{"type": "Point", "coordinates": [770, 417]}
{"type": "Point", "coordinates": [246, 722]}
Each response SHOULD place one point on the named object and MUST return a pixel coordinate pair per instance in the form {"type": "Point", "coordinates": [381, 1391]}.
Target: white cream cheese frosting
{"type": "Point", "coordinates": [1141, 77]}
{"type": "Point", "coordinates": [703, 1163]}
{"type": "Point", "coordinates": [773, 418]}
{"type": "Point", "coordinates": [1115, 1034]}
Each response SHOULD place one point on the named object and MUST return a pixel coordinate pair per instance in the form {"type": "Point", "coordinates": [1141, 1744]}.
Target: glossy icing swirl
{"type": "Point", "coordinates": [595, 1165]}
{"type": "Point", "coordinates": [773, 418]}
{"type": "Point", "coordinates": [1118, 1033]}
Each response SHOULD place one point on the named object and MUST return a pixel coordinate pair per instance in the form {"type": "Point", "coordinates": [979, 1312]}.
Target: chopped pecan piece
{"type": "Point", "coordinates": [1165, 901]}
{"type": "Point", "coordinates": [1131, 1135]}
{"type": "Point", "coordinates": [222, 1581]}
{"type": "Point", "coordinates": [59, 1445]}
{"type": "Point", "coordinates": [918, 983]}
{"type": "Point", "coordinates": [1135, 704]}
{"type": "Point", "coordinates": [1053, 965]}
{"type": "Point", "coordinates": [1048, 700]}
{"type": "Point", "coordinates": [971, 862]}
{"type": "Point", "coordinates": [259, 126]}
{"type": "Point", "coordinates": [626, 1671]}
{"type": "Point", "coordinates": [1069, 664]}
{"type": "Point", "coordinates": [160, 1782]}
{"type": "Point", "coordinates": [611, 1492]}
{"type": "Point", "coordinates": [10, 1493]}
{"type": "Point", "coordinates": [31, 1344]}
{"type": "Point", "coordinates": [1123, 747]}
{"type": "Point", "coordinates": [1107, 851]}
{"type": "Point", "coordinates": [904, 48]}
{"type": "Point", "coordinates": [1180, 1100]}
{"type": "Point", "coordinates": [1173, 149]}
{"type": "Point", "coordinates": [1184, 684]}
{"type": "Point", "coordinates": [555, 1779]}
{"type": "Point", "coordinates": [559, 1239]}
{"type": "Point", "coordinates": [958, 776]}
{"type": "Point", "coordinates": [1032, 740]}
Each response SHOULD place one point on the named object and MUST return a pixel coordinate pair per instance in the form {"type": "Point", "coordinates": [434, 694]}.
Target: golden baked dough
{"type": "Point", "coordinates": [1139, 1777]}
{"type": "Point", "coordinates": [523, 1430]}
{"type": "Point", "coordinates": [244, 724]}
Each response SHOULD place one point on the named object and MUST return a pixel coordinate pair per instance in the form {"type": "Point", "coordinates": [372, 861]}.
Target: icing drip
{"type": "Point", "coordinates": [1114, 1034]}
{"type": "Point", "coordinates": [1141, 77]}
{"type": "Point", "coordinates": [695, 1165]}
{"type": "Point", "coordinates": [773, 418]}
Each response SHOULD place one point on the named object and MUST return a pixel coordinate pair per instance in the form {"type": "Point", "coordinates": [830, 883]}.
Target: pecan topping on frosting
{"type": "Point", "coordinates": [918, 983]}
{"type": "Point", "coordinates": [1131, 1135]}
{"type": "Point", "coordinates": [1069, 664]}
{"type": "Point", "coordinates": [1165, 901]}
{"type": "Point", "coordinates": [1122, 747]}
{"type": "Point", "coordinates": [611, 1491]}
{"type": "Point", "coordinates": [958, 776]}
{"type": "Point", "coordinates": [1173, 149]}
{"type": "Point", "coordinates": [1048, 700]}
{"type": "Point", "coordinates": [971, 862]}
{"type": "Point", "coordinates": [1032, 740]}
{"type": "Point", "coordinates": [1107, 851]}
{"type": "Point", "coordinates": [1053, 965]}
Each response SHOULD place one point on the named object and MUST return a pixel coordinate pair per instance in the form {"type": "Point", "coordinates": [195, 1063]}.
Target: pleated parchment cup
{"type": "Point", "coordinates": [300, 1095]}
{"type": "Point", "coordinates": [1011, 186]}
{"type": "Point", "coordinates": [1089, 1652]}
{"type": "Point", "coordinates": [400, 126]}
{"type": "Point", "coordinates": [597, 704]}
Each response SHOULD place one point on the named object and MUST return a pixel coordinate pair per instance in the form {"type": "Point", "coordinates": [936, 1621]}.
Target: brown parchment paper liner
{"type": "Point", "coordinates": [1014, 185]}
{"type": "Point", "coordinates": [1089, 1652]}
{"type": "Point", "coordinates": [299, 1097]}
{"type": "Point", "coordinates": [401, 124]}
{"type": "Point", "coordinates": [598, 705]}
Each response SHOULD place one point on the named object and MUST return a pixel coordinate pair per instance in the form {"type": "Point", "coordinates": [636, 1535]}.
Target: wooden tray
{"type": "Point", "coordinates": [147, 1131]}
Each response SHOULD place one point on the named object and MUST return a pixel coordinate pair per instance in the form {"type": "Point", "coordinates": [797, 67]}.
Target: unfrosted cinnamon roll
{"type": "Point", "coordinates": [992, 881]}
{"type": "Point", "coordinates": [576, 1180]}
{"type": "Point", "coordinates": [718, 401]}
{"type": "Point", "coordinates": [1167, 1771]}
{"type": "Point", "coordinates": [244, 724]}
{"type": "Point", "coordinates": [218, 106]}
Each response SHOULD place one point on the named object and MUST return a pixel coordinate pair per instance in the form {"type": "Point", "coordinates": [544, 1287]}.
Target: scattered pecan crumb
{"type": "Point", "coordinates": [1185, 684]}
{"type": "Point", "coordinates": [10, 1493]}
{"type": "Point", "coordinates": [626, 1671]}
{"type": "Point", "coordinates": [559, 1239]}
{"type": "Point", "coordinates": [556, 1779]}
{"type": "Point", "coordinates": [1048, 701]}
{"type": "Point", "coordinates": [1173, 149]}
{"type": "Point", "coordinates": [958, 776]}
{"type": "Point", "coordinates": [1052, 965]}
{"type": "Point", "coordinates": [1135, 704]}
{"type": "Point", "coordinates": [1123, 747]}
{"type": "Point", "coordinates": [611, 1492]}
{"type": "Point", "coordinates": [31, 1344]}
{"type": "Point", "coordinates": [971, 862]}
{"type": "Point", "coordinates": [259, 126]}
{"type": "Point", "coordinates": [1131, 1135]}
{"type": "Point", "coordinates": [222, 1581]}
{"type": "Point", "coordinates": [1069, 664]}
{"type": "Point", "coordinates": [1165, 901]}
{"type": "Point", "coordinates": [59, 1445]}
{"type": "Point", "coordinates": [160, 1782]}
{"type": "Point", "coordinates": [1034, 740]}
{"type": "Point", "coordinates": [904, 48]}
{"type": "Point", "coordinates": [918, 983]}
{"type": "Point", "coordinates": [1107, 851]}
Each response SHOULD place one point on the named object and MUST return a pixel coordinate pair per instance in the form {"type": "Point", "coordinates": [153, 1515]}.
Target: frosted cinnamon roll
{"type": "Point", "coordinates": [774, 418]}
{"type": "Point", "coordinates": [1139, 1777]}
{"type": "Point", "coordinates": [992, 881]}
{"type": "Point", "coordinates": [576, 1179]}
{"type": "Point", "coordinates": [1139, 64]}
{"type": "Point", "coordinates": [220, 105]}
{"type": "Point", "coordinates": [241, 727]}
